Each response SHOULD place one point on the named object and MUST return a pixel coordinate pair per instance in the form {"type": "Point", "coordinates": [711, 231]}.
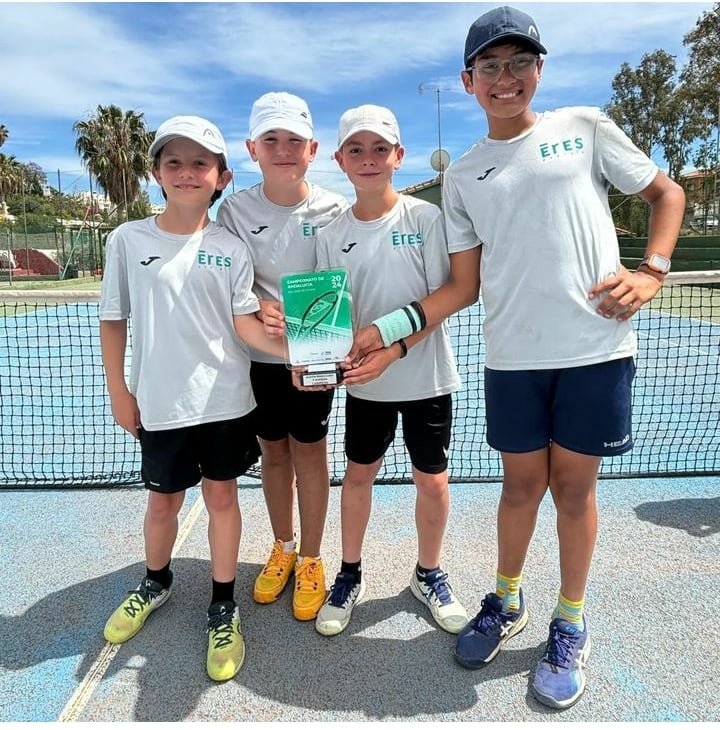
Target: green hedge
{"type": "Point", "coordinates": [692, 253]}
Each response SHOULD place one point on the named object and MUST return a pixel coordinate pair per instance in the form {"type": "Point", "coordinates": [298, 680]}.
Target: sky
{"type": "Point", "coordinates": [61, 60]}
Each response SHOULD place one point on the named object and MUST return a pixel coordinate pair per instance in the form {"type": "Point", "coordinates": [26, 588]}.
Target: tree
{"type": "Point", "coordinates": [11, 176]}
{"type": "Point", "coordinates": [4, 134]}
{"type": "Point", "coordinates": [655, 111]}
{"type": "Point", "coordinates": [701, 75]}
{"type": "Point", "coordinates": [114, 147]}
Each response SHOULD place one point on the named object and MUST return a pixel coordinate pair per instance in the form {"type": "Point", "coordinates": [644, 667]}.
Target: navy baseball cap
{"type": "Point", "coordinates": [501, 24]}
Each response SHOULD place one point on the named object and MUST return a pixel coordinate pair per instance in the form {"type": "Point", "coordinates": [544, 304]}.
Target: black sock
{"type": "Point", "coordinates": [223, 592]}
{"type": "Point", "coordinates": [163, 576]}
{"type": "Point", "coordinates": [353, 569]}
{"type": "Point", "coordinates": [422, 573]}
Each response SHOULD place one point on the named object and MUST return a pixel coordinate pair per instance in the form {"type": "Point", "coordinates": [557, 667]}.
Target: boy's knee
{"type": "Point", "coordinates": [574, 502]}
{"type": "Point", "coordinates": [519, 494]}
{"type": "Point", "coordinates": [220, 496]}
{"type": "Point", "coordinates": [432, 486]}
{"type": "Point", "coordinates": [162, 507]}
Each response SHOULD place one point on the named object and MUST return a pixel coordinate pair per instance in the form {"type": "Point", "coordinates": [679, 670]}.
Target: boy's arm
{"type": "Point", "coordinates": [375, 363]}
{"type": "Point", "coordinates": [460, 290]}
{"type": "Point", "coordinates": [251, 330]}
{"type": "Point", "coordinates": [124, 408]}
{"type": "Point", "coordinates": [627, 291]}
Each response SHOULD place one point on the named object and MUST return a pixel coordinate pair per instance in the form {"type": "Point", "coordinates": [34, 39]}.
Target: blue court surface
{"type": "Point", "coordinates": [69, 556]}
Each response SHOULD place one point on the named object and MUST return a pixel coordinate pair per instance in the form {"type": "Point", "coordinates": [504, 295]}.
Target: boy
{"type": "Point", "coordinates": [393, 247]}
{"type": "Point", "coordinates": [532, 196]}
{"type": "Point", "coordinates": [278, 219]}
{"type": "Point", "coordinates": [187, 283]}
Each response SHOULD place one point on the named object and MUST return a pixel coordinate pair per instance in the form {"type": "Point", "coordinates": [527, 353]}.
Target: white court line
{"type": "Point", "coordinates": [90, 681]}
{"type": "Point", "coordinates": [677, 344]}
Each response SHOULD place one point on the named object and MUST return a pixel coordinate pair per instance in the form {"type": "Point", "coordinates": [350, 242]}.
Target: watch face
{"type": "Point", "coordinates": [658, 263]}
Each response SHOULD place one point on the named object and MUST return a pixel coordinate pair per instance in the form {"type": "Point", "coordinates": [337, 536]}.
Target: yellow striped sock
{"type": "Point", "coordinates": [570, 611]}
{"type": "Point", "coordinates": [509, 590]}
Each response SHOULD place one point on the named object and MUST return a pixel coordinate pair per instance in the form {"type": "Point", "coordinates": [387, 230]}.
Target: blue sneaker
{"type": "Point", "coordinates": [480, 641]}
{"type": "Point", "coordinates": [559, 678]}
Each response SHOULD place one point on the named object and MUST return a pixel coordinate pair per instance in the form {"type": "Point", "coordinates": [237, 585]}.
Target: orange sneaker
{"type": "Point", "coordinates": [309, 593]}
{"type": "Point", "coordinates": [275, 575]}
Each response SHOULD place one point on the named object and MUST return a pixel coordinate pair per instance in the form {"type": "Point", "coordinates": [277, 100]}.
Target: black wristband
{"type": "Point", "coordinates": [403, 348]}
{"type": "Point", "coordinates": [420, 313]}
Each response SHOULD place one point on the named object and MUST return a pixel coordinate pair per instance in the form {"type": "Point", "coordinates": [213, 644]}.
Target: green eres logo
{"type": "Point", "coordinates": [560, 149]}
{"type": "Point", "coordinates": [213, 261]}
{"type": "Point", "coordinates": [406, 239]}
{"type": "Point", "coordinates": [308, 229]}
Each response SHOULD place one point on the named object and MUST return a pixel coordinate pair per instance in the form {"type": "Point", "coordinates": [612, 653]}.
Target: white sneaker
{"type": "Point", "coordinates": [435, 592]}
{"type": "Point", "coordinates": [334, 615]}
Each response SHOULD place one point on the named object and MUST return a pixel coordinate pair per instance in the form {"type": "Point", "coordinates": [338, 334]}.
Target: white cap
{"type": "Point", "coordinates": [280, 110]}
{"type": "Point", "coordinates": [197, 129]}
{"type": "Point", "coordinates": [368, 118]}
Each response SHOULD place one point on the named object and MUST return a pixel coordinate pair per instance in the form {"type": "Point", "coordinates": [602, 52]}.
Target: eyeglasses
{"type": "Point", "coordinates": [521, 67]}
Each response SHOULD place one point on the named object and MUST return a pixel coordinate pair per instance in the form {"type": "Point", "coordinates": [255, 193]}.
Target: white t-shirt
{"type": "Point", "coordinates": [281, 239]}
{"type": "Point", "coordinates": [188, 364]}
{"type": "Point", "coordinates": [538, 206]}
{"type": "Point", "coordinates": [396, 259]}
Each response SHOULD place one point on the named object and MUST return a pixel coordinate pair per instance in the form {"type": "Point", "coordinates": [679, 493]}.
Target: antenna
{"type": "Point", "coordinates": [439, 159]}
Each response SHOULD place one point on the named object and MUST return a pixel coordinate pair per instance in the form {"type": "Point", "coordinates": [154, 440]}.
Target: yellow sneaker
{"type": "Point", "coordinates": [275, 575]}
{"type": "Point", "coordinates": [226, 646]}
{"type": "Point", "coordinates": [309, 593]}
{"type": "Point", "coordinates": [130, 616]}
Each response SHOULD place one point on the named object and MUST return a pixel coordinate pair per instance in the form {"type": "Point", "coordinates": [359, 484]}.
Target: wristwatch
{"type": "Point", "coordinates": [656, 262]}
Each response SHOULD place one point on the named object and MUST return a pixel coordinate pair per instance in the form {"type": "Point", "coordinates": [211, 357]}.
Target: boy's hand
{"type": "Point", "coordinates": [273, 318]}
{"type": "Point", "coordinates": [372, 366]}
{"type": "Point", "coordinates": [366, 340]}
{"type": "Point", "coordinates": [125, 411]}
{"type": "Point", "coordinates": [625, 292]}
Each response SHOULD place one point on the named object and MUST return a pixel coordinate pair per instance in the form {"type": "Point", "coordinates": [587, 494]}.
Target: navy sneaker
{"type": "Point", "coordinates": [480, 641]}
{"type": "Point", "coordinates": [559, 678]}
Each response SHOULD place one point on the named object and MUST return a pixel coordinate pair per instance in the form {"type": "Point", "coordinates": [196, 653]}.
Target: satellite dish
{"type": "Point", "coordinates": [439, 160]}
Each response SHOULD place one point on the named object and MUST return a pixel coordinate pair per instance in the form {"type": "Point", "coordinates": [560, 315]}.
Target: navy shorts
{"type": "Point", "coordinates": [283, 410]}
{"type": "Point", "coordinates": [426, 424]}
{"type": "Point", "coordinates": [585, 409]}
{"type": "Point", "coordinates": [177, 458]}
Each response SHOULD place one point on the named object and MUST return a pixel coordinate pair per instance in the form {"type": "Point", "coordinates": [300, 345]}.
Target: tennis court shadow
{"type": "Point", "coordinates": [699, 517]}
{"type": "Point", "coordinates": [390, 662]}
{"type": "Point", "coordinates": [65, 623]}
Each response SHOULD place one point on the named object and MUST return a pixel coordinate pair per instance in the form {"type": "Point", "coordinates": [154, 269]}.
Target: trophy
{"type": "Point", "coordinates": [318, 323]}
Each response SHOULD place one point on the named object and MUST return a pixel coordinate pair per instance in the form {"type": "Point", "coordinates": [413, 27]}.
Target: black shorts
{"type": "Point", "coordinates": [283, 410]}
{"type": "Point", "coordinates": [426, 424]}
{"type": "Point", "coordinates": [178, 458]}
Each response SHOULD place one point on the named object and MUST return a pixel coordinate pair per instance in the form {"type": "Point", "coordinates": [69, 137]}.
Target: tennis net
{"type": "Point", "coordinates": [57, 430]}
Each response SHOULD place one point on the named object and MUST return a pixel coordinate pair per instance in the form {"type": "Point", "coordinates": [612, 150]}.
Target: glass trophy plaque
{"type": "Point", "coordinates": [318, 323]}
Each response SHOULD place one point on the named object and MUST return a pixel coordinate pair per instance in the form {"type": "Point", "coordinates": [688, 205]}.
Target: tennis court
{"type": "Point", "coordinates": [74, 552]}
{"type": "Point", "coordinates": [72, 546]}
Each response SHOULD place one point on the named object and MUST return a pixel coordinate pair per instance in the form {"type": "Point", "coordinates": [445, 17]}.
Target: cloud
{"type": "Point", "coordinates": [61, 60]}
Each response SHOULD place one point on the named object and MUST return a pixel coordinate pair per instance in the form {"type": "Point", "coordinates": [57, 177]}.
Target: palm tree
{"type": "Point", "coordinates": [11, 176]}
{"type": "Point", "coordinates": [4, 134]}
{"type": "Point", "coordinates": [114, 147]}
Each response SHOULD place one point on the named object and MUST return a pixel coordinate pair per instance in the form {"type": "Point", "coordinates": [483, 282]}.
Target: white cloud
{"type": "Point", "coordinates": [61, 60]}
